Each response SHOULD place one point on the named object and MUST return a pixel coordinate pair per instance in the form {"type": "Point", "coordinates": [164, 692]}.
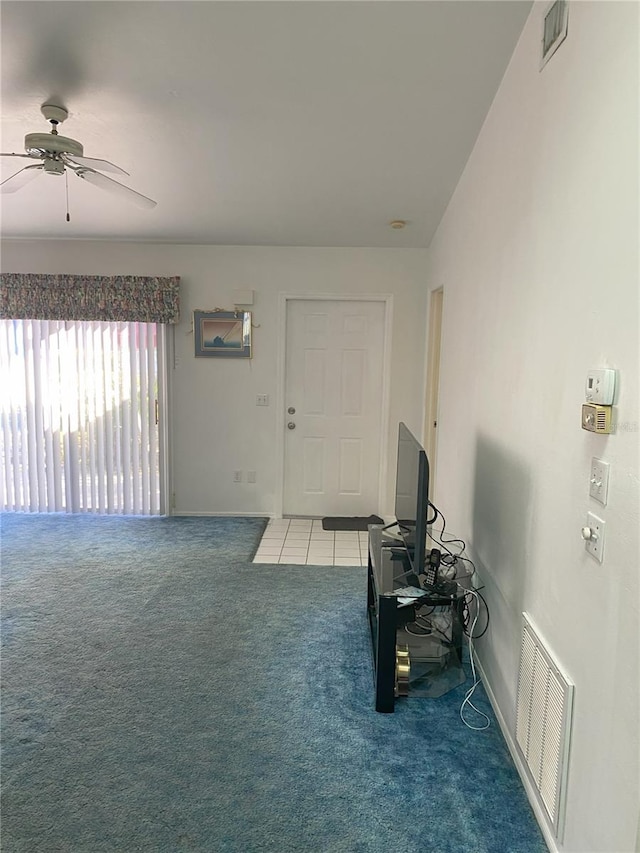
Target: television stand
{"type": "Point", "coordinates": [410, 658]}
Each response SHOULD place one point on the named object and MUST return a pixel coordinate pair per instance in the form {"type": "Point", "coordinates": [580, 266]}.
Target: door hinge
{"type": "Point", "coordinates": [157, 408]}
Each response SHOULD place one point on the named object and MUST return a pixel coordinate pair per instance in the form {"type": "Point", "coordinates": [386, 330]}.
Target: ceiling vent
{"type": "Point", "coordinates": [554, 29]}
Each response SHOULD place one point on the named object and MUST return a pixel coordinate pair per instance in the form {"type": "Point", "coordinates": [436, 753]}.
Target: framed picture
{"type": "Point", "coordinates": [222, 334]}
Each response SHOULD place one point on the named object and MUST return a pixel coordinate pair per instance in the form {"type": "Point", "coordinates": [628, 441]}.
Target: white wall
{"type": "Point", "coordinates": [538, 256]}
{"type": "Point", "coordinates": [217, 427]}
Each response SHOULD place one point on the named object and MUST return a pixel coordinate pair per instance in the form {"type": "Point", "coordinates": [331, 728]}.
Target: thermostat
{"type": "Point", "coordinates": [600, 386]}
{"type": "Point", "coordinates": [596, 418]}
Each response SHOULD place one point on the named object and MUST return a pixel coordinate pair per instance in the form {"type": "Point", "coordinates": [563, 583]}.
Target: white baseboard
{"type": "Point", "coordinates": [197, 514]}
{"type": "Point", "coordinates": [530, 791]}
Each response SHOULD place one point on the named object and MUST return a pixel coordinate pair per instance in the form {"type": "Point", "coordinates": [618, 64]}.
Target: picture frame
{"type": "Point", "coordinates": [222, 334]}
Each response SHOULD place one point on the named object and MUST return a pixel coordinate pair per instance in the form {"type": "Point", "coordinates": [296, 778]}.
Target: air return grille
{"type": "Point", "coordinates": [554, 29]}
{"type": "Point", "coordinates": [543, 723]}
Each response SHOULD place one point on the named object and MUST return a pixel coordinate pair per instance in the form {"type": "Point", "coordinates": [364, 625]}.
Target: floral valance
{"type": "Point", "coordinates": [112, 298]}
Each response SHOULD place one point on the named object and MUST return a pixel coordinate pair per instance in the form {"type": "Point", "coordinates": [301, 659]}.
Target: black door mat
{"type": "Point", "coordinates": [353, 523]}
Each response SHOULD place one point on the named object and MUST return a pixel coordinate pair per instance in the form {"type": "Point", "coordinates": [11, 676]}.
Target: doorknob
{"type": "Point", "coordinates": [291, 410]}
{"type": "Point", "coordinates": [291, 425]}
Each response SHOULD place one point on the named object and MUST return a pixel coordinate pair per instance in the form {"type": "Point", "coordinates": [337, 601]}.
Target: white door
{"type": "Point", "coordinates": [333, 407]}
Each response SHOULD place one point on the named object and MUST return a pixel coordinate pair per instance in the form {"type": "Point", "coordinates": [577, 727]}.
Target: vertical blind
{"type": "Point", "coordinates": [78, 430]}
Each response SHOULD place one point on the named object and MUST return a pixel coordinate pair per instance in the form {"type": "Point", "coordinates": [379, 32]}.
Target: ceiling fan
{"type": "Point", "coordinates": [58, 153]}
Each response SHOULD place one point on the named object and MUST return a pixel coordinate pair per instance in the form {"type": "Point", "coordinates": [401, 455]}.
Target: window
{"type": "Point", "coordinates": [79, 411]}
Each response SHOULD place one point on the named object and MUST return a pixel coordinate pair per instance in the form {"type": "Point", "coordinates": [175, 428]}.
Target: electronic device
{"type": "Point", "coordinates": [432, 566]}
{"type": "Point", "coordinates": [596, 418]}
{"type": "Point", "coordinates": [600, 386]}
{"type": "Point", "coordinates": [412, 497]}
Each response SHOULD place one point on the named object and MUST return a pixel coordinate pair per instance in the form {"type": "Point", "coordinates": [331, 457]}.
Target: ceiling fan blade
{"type": "Point", "coordinates": [13, 154]}
{"type": "Point", "coordinates": [94, 163]}
{"type": "Point", "coordinates": [20, 178]}
{"type": "Point", "coordinates": [115, 188]}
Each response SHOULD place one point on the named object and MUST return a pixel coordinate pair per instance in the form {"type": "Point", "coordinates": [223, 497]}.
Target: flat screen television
{"type": "Point", "coordinates": [412, 497]}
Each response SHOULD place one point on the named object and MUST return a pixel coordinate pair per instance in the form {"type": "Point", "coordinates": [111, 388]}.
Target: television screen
{"type": "Point", "coordinates": [412, 501]}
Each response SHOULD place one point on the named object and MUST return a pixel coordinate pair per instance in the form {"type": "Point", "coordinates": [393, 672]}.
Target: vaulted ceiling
{"type": "Point", "coordinates": [263, 123]}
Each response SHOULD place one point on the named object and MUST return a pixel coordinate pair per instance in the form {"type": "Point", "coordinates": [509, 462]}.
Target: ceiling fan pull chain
{"type": "Point", "coordinates": [66, 186]}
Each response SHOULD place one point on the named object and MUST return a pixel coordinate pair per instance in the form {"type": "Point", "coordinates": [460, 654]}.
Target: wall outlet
{"type": "Point", "coordinates": [237, 476]}
{"type": "Point", "coordinates": [599, 480]}
{"type": "Point", "coordinates": [251, 476]}
{"type": "Point", "coordinates": [262, 400]}
{"type": "Point", "coordinates": [593, 534]}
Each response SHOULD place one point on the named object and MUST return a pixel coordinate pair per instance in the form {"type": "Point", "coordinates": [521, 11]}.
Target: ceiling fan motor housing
{"type": "Point", "coordinates": [50, 144]}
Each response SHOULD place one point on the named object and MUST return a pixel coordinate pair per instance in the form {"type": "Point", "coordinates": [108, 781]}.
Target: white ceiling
{"type": "Point", "coordinates": [253, 123]}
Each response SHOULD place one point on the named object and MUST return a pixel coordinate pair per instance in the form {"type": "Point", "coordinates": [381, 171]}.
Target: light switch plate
{"type": "Point", "coordinates": [599, 480]}
{"type": "Point", "coordinates": [595, 545]}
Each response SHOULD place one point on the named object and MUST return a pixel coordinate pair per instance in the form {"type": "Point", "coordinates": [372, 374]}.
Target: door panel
{"type": "Point", "coordinates": [351, 463]}
{"type": "Point", "coordinates": [313, 466]}
{"type": "Point", "coordinates": [333, 380]}
{"type": "Point", "coordinates": [314, 382]}
{"type": "Point", "coordinates": [352, 375]}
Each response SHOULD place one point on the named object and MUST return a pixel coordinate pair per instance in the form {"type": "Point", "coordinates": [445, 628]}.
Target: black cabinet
{"type": "Point", "coordinates": [417, 648]}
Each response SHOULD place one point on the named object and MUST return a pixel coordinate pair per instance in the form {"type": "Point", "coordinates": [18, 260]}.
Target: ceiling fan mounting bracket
{"type": "Point", "coordinates": [54, 114]}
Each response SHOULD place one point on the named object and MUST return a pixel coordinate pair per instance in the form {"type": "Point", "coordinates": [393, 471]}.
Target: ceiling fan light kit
{"type": "Point", "coordinates": [59, 153]}
{"type": "Point", "coordinates": [53, 167]}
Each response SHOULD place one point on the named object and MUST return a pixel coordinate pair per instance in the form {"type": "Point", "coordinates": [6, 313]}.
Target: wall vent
{"type": "Point", "coordinates": [554, 30]}
{"type": "Point", "coordinates": [543, 722]}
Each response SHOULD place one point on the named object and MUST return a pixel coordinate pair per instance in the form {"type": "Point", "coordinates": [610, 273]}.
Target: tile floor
{"type": "Point", "coordinates": [303, 542]}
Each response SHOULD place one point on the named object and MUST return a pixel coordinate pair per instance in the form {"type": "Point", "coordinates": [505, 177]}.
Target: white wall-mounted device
{"type": "Point", "coordinates": [600, 386]}
{"type": "Point", "coordinates": [599, 480]}
{"type": "Point", "coordinates": [243, 297]}
{"type": "Point", "coordinates": [599, 390]}
{"type": "Point", "coordinates": [593, 535]}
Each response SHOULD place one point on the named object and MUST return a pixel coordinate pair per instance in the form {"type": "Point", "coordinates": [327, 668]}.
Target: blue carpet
{"type": "Point", "coordinates": [162, 694]}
